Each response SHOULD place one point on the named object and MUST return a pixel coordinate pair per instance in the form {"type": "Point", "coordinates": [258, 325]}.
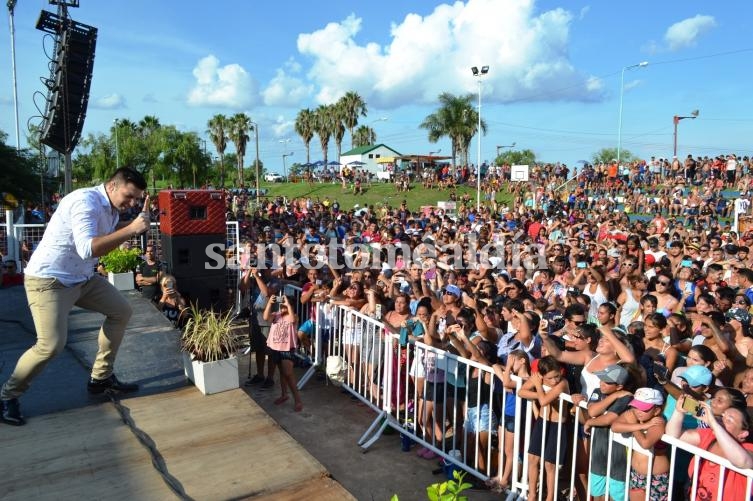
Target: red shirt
{"type": "Point", "coordinates": [13, 280]}
{"type": "Point", "coordinates": [708, 474]}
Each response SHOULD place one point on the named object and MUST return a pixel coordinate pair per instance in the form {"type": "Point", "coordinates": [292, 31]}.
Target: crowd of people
{"type": "Point", "coordinates": [645, 320]}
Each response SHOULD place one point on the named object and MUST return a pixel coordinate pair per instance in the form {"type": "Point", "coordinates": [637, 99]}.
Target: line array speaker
{"type": "Point", "coordinates": [69, 82]}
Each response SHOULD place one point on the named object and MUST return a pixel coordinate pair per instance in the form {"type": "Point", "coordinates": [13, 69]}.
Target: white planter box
{"type": "Point", "coordinates": [122, 281]}
{"type": "Point", "coordinates": [212, 377]}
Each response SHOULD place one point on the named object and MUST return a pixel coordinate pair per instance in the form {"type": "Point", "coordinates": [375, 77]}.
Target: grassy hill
{"type": "Point", "coordinates": [377, 193]}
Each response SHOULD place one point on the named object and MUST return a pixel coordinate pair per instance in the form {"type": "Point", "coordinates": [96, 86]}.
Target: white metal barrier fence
{"type": "Point", "coordinates": [455, 408]}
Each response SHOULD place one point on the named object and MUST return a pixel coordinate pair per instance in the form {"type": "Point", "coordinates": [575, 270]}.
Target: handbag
{"type": "Point", "coordinates": [335, 369]}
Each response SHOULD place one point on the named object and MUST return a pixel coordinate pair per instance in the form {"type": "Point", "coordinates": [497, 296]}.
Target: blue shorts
{"type": "Point", "coordinates": [307, 328]}
{"type": "Point", "coordinates": [599, 487]}
{"type": "Point", "coordinates": [480, 419]}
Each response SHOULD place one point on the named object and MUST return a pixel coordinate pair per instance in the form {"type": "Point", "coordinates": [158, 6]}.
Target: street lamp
{"type": "Point", "coordinates": [284, 167]}
{"type": "Point", "coordinates": [642, 64]}
{"type": "Point", "coordinates": [117, 147]}
{"type": "Point", "coordinates": [676, 120]}
{"type": "Point", "coordinates": [256, 137]}
{"type": "Point", "coordinates": [511, 146]}
{"type": "Point", "coordinates": [478, 74]}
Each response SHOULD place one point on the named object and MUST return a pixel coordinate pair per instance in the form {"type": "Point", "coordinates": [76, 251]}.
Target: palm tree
{"type": "Point", "coordinates": [218, 129]}
{"type": "Point", "coordinates": [364, 136]}
{"type": "Point", "coordinates": [324, 127]}
{"type": "Point", "coordinates": [338, 131]}
{"type": "Point", "coordinates": [457, 119]}
{"type": "Point", "coordinates": [304, 127]}
{"type": "Point", "coordinates": [240, 124]}
{"type": "Point", "coordinates": [353, 106]}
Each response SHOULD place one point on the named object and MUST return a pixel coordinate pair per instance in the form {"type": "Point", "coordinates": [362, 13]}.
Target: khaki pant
{"type": "Point", "coordinates": [51, 303]}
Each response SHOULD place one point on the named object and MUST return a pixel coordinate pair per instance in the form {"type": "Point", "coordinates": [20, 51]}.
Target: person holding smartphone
{"type": "Point", "coordinates": [685, 283]}
{"type": "Point", "coordinates": [171, 303]}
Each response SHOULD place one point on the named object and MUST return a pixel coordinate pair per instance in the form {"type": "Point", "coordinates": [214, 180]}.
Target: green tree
{"type": "Point", "coordinates": [352, 106]}
{"type": "Point", "coordinates": [338, 127]}
{"type": "Point", "coordinates": [240, 125]}
{"type": "Point", "coordinates": [456, 119]}
{"type": "Point", "coordinates": [218, 126]}
{"type": "Point", "coordinates": [608, 155]}
{"type": "Point", "coordinates": [304, 127]}
{"type": "Point", "coordinates": [364, 136]}
{"type": "Point", "coordinates": [19, 176]}
{"type": "Point", "coordinates": [516, 157]}
{"type": "Point", "coordinates": [324, 127]}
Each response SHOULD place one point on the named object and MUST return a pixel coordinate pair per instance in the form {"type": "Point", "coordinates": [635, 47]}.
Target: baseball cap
{"type": "Point", "coordinates": [697, 375]}
{"type": "Point", "coordinates": [454, 290]}
{"type": "Point", "coordinates": [650, 259]}
{"type": "Point", "coordinates": [739, 314]}
{"type": "Point", "coordinates": [646, 398]}
{"type": "Point", "coordinates": [615, 374]}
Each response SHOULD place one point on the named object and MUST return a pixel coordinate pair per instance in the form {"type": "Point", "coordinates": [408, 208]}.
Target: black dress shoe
{"type": "Point", "coordinates": [97, 386]}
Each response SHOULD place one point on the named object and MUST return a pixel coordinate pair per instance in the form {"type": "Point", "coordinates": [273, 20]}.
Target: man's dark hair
{"type": "Point", "coordinates": [514, 305]}
{"type": "Point", "coordinates": [573, 310]}
{"type": "Point", "coordinates": [127, 175]}
{"type": "Point", "coordinates": [649, 298]}
{"type": "Point", "coordinates": [714, 267]}
{"type": "Point", "coordinates": [747, 273]}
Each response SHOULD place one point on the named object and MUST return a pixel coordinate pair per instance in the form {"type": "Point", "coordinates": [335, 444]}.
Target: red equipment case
{"type": "Point", "coordinates": [192, 212]}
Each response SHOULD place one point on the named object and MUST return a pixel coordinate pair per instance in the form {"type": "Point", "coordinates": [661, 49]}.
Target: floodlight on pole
{"type": "Point", "coordinates": [676, 120]}
{"type": "Point", "coordinates": [642, 64]}
{"type": "Point", "coordinates": [478, 74]}
{"type": "Point", "coordinates": [284, 166]}
{"type": "Point", "coordinates": [511, 146]}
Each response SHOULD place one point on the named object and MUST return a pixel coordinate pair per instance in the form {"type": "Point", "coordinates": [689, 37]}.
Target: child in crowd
{"type": "Point", "coordinates": [606, 404]}
{"type": "Point", "coordinates": [517, 365]}
{"type": "Point", "coordinates": [543, 388]}
{"type": "Point", "coordinates": [644, 421]}
{"type": "Point", "coordinates": [283, 342]}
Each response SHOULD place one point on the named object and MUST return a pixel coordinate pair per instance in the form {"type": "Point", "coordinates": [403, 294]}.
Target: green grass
{"type": "Point", "coordinates": [377, 193]}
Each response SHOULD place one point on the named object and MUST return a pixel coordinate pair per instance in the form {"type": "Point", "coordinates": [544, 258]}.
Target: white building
{"type": "Point", "coordinates": [369, 156]}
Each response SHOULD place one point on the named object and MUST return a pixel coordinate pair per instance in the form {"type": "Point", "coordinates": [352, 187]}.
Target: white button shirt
{"type": "Point", "coordinates": [65, 251]}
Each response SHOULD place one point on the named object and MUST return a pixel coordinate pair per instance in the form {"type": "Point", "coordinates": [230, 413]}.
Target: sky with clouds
{"type": "Point", "coordinates": [553, 85]}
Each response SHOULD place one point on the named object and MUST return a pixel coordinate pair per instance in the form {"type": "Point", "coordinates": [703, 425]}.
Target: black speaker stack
{"type": "Point", "coordinates": [70, 80]}
{"type": "Point", "coordinates": [192, 228]}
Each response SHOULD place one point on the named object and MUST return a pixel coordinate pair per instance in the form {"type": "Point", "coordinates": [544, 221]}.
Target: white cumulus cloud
{"type": "Point", "coordinates": [527, 52]}
{"type": "Point", "coordinates": [282, 127]}
{"type": "Point", "coordinates": [686, 32]}
{"type": "Point", "coordinates": [228, 86]}
{"type": "Point", "coordinates": [109, 102]}
{"type": "Point", "coordinates": [286, 90]}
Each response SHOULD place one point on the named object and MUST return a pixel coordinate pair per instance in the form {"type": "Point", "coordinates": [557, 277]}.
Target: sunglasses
{"type": "Point", "coordinates": [578, 322]}
{"type": "Point", "coordinates": [445, 292]}
{"type": "Point", "coordinates": [741, 301]}
{"type": "Point", "coordinates": [662, 283]}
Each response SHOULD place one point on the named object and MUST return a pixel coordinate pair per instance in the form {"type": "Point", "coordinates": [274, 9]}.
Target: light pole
{"type": "Point", "coordinates": [11, 8]}
{"type": "Point", "coordinates": [284, 167]}
{"type": "Point", "coordinates": [256, 137]}
{"type": "Point", "coordinates": [478, 74]}
{"type": "Point", "coordinates": [117, 147]}
{"type": "Point", "coordinates": [676, 120]}
{"type": "Point", "coordinates": [511, 146]}
{"type": "Point", "coordinates": [642, 64]}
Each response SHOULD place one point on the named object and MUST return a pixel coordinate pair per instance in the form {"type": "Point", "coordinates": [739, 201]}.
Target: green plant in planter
{"type": "Point", "coordinates": [208, 336]}
{"type": "Point", "coordinates": [121, 260]}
